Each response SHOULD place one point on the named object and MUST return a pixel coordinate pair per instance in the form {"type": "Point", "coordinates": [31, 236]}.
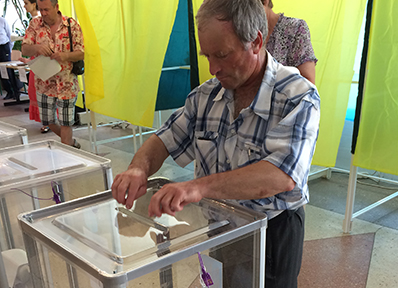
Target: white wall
{"type": "Point", "coordinates": [11, 15]}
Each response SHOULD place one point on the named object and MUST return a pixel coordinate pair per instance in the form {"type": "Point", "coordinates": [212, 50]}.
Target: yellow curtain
{"type": "Point", "coordinates": [65, 6]}
{"type": "Point", "coordinates": [377, 144]}
{"type": "Point", "coordinates": [125, 42]}
{"type": "Point", "coordinates": [124, 59]}
{"type": "Point", "coordinates": [335, 27]}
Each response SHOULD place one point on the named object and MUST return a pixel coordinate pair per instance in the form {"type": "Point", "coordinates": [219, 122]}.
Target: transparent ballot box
{"type": "Point", "coordinates": [38, 175]}
{"type": "Point", "coordinates": [96, 242]}
{"type": "Point", "coordinates": [11, 135]}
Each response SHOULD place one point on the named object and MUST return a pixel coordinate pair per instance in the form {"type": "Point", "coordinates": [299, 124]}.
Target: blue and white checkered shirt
{"type": "Point", "coordinates": [279, 126]}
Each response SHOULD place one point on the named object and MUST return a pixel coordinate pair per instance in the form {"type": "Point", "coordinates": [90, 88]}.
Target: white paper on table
{"type": "Point", "coordinates": [3, 71]}
{"type": "Point", "coordinates": [22, 75]}
{"type": "Point", "coordinates": [44, 67]}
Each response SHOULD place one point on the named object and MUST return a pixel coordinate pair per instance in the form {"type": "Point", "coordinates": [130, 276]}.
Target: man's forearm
{"type": "Point", "coordinates": [150, 156]}
{"type": "Point", "coordinates": [255, 181]}
{"type": "Point", "coordinates": [75, 56]}
{"type": "Point", "coordinates": [28, 50]}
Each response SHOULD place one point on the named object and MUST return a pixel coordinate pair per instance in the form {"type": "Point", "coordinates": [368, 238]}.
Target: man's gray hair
{"type": "Point", "coordinates": [247, 17]}
{"type": "Point", "coordinates": [53, 2]}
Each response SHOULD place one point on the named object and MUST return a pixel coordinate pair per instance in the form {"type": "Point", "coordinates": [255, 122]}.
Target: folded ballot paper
{"type": "Point", "coordinates": [44, 67]}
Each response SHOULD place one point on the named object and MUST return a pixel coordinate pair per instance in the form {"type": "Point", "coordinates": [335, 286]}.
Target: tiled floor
{"type": "Point", "coordinates": [367, 257]}
{"type": "Point", "coordinates": [346, 265]}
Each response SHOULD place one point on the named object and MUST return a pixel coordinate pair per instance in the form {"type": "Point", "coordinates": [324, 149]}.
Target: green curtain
{"type": "Point", "coordinates": [125, 43]}
{"type": "Point", "coordinates": [377, 144]}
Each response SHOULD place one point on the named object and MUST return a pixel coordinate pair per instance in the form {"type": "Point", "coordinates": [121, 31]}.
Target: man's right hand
{"type": "Point", "coordinates": [129, 186]}
{"type": "Point", "coordinates": [43, 49]}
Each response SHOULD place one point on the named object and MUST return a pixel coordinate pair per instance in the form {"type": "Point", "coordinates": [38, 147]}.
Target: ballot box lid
{"type": "Point", "coordinates": [113, 243]}
{"type": "Point", "coordinates": [10, 131]}
{"type": "Point", "coordinates": [30, 164]}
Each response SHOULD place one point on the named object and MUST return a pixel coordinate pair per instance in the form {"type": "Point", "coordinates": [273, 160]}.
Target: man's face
{"type": "Point", "coordinates": [229, 61]}
{"type": "Point", "coordinates": [48, 11]}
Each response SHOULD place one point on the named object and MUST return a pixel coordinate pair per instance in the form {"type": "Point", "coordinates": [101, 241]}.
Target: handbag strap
{"type": "Point", "coordinates": [70, 36]}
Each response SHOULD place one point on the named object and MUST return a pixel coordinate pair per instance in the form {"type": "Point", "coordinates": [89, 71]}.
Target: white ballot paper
{"type": "Point", "coordinates": [3, 71]}
{"type": "Point", "coordinates": [22, 75]}
{"type": "Point", "coordinates": [44, 67]}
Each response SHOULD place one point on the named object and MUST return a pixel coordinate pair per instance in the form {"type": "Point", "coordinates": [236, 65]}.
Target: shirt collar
{"type": "Point", "coordinates": [261, 104]}
{"type": "Point", "coordinates": [64, 20]}
{"type": "Point", "coordinates": [220, 94]}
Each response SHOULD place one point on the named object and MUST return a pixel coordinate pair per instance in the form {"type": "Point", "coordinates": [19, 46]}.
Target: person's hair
{"type": "Point", "coordinates": [34, 2]}
{"type": "Point", "coordinates": [247, 17]}
{"type": "Point", "coordinates": [53, 2]}
{"type": "Point", "coordinates": [270, 4]}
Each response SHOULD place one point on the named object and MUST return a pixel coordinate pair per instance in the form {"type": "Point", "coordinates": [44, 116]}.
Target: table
{"type": "Point", "coordinates": [16, 65]}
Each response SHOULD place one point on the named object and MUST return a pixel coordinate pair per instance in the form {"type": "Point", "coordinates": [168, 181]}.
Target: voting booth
{"type": "Point", "coordinates": [39, 175]}
{"type": "Point", "coordinates": [96, 242]}
{"type": "Point", "coordinates": [11, 135]}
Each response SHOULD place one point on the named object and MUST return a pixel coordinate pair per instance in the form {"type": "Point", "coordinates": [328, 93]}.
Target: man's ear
{"type": "Point", "coordinates": [257, 44]}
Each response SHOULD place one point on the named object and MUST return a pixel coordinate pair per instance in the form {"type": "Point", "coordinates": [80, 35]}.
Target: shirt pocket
{"type": "Point", "coordinates": [250, 153]}
{"type": "Point", "coordinates": [206, 152]}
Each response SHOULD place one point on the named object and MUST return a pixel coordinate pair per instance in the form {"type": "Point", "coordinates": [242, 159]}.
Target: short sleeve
{"type": "Point", "coordinates": [78, 41]}
{"type": "Point", "coordinates": [302, 50]}
{"type": "Point", "coordinates": [177, 133]}
{"type": "Point", "coordinates": [30, 33]}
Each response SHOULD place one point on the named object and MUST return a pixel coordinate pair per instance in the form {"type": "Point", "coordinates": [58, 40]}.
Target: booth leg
{"type": "Point", "coordinates": [349, 209]}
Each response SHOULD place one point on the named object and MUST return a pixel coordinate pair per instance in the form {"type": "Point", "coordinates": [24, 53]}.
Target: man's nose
{"type": "Point", "coordinates": [214, 66]}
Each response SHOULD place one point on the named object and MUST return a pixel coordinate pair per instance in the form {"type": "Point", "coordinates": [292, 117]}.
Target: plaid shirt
{"type": "Point", "coordinates": [64, 84]}
{"type": "Point", "coordinates": [279, 126]}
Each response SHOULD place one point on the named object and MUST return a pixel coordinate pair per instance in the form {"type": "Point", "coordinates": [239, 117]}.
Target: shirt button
{"type": "Point", "coordinates": [229, 162]}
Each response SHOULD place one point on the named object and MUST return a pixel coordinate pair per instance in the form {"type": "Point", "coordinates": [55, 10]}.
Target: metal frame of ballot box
{"type": "Point", "coordinates": [10, 131]}
{"type": "Point", "coordinates": [119, 261]}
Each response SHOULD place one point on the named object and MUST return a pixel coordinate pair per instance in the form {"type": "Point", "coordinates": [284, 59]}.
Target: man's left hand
{"type": "Point", "coordinates": [173, 197]}
{"type": "Point", "coordinates": [59, 56]}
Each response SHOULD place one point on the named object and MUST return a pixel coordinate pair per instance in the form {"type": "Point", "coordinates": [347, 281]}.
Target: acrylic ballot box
{"type": "Point", "coordinates": [39, 175]}
{"type": "Point", "coordinates": [95, 242]}
{"type": "Point", "coordinates": [11, 135]}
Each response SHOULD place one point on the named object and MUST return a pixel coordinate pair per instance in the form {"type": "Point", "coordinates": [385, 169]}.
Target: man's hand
{"type": "Point", "coordinates": [173, 197]}
{"type": "Point", "coordinates": [59, 56]}
{"type": "Point", "coordinates": [128, 186]}
{"type": "Point", "coordinates": [23, 60]}
{"type": "Point", "coordinates": [44, 50]}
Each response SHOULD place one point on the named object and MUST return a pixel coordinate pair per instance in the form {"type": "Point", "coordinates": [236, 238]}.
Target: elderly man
{"type": "Point", "coordinates": [252, 131]}
{"type": "Point", "coordinates": [48, 36]}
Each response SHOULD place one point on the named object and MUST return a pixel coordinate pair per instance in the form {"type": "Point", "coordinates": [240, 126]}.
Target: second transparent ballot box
{"type": "Point", "coordinates": [11, 135]}
{"type": "Point", "coordinates": [42, 174]}
{"type": "Point", "coordinates": [96, 242]}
